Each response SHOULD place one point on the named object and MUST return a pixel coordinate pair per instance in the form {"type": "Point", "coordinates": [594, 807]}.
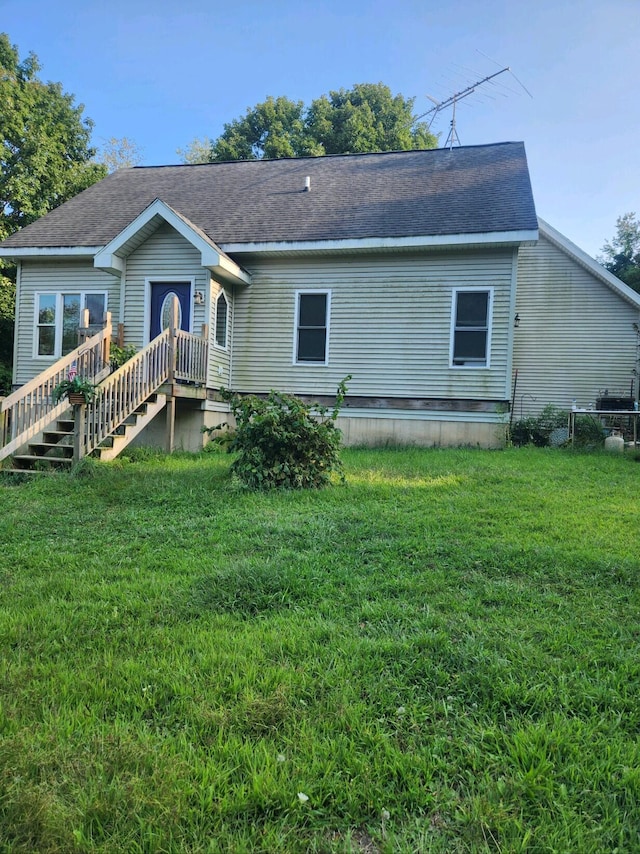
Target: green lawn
{"type": "Point", "coordinates": [440, 655]}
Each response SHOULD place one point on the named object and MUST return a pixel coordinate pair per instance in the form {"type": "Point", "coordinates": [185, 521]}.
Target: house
{"type": "Point", "coordinates": [426, 275]}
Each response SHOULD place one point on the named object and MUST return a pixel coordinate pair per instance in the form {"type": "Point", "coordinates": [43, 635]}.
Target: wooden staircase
{"type": "Point", "coordinates": [55, 449]}
{"type": "Point", "coordinates": [38, 434]}
{"type": "Point", "coordinates": [134, 424]}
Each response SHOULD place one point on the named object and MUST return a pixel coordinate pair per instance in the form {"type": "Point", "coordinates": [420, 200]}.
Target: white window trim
{"type": "Point", "coordinates": [315, 292]}
{"type": "Point", "coordinates": [57, 350]}
{"type": "Point", "coordinates": [225, 348]}
{"type": "Point", "coordinates": [180, 280]}
{"type": "Point", "coordinates": [454, 307]}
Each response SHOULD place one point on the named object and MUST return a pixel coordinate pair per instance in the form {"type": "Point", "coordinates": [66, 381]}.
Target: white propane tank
{"type": "Point", "coordinates": [614, 443]}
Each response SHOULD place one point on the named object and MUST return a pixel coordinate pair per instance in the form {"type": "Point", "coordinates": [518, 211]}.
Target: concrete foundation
{"type": "Point", "coordinates": [372, 432]}
{"type": "Point", "coordinates": [385, 429]}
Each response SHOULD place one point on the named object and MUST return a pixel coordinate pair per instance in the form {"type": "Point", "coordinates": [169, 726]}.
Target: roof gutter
{"type": "Point", "coordinates": [365, 244]}
{"type": "Point", "coordinates": [61, 252]}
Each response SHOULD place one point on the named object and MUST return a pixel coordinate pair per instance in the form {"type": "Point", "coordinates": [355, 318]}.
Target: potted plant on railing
{"type": "Point", "coordinates": [77, 390]}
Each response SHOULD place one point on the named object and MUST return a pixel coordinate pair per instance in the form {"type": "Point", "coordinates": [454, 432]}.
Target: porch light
{"type": "Point", "coordinates": [199, 298]}
{"type": "Point", "coordinates": [516, 321]}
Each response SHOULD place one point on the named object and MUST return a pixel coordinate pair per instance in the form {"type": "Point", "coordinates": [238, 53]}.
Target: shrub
{"type": "Point", "coordinates": [283, 442]}
{"type": "Point", "coordinates": [119, 355]}
{"type": "Point", "coordinates": [5, 380]}
{"type": "Point", "coordinates": [550, 427]}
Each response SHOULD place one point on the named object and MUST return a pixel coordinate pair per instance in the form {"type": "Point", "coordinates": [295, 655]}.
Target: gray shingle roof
{"type": "Point", "coordinates": [465, 190]}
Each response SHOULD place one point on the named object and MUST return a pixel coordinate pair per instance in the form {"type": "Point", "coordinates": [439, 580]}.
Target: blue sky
{"type": "Point", "coordinates": [164, 72]}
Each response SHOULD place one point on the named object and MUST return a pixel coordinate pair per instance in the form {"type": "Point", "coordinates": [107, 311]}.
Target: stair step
{"type": "Point", "coordinates": [40, 449]}
{"type": "Point", "coordinates": [26, 461]}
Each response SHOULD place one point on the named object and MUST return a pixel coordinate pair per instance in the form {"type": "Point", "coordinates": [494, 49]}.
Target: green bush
{"type": "Point", "coordinates": [283, 442]}
{"type": "Point", "coordinates": [119, 355]}
{"type": "Point", "coordinates": [5, 380]}
{"type": "Point", "coordinates": [551, 427]}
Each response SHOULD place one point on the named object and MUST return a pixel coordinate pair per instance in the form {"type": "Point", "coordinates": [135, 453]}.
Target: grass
{"type": "Point", "coordinates": [442, 655]}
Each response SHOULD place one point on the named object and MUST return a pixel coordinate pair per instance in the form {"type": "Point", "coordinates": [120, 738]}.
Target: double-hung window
{"type": "Point", "coordinates": [471, 327]}
{"type": "Point", "coordinates": [311, 344]}
{"type": "Point", "coordinates": [58, 318]}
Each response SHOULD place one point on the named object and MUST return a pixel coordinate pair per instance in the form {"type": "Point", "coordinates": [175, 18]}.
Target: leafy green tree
{"type": "Point", "coordinates": [45, 152]}
{"type": "Point", "coordinates": [273, 129]}
{"type": "Point", "coordinates": [45, 158]}
{"type": "Point", "coordinates": [367, 117]}
{"type": "Point", "coordinates": [7, 311]}
{"type": "Point", "coordinates": [622, 255]}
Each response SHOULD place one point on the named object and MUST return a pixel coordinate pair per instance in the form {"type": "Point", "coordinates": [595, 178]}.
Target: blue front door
{"type": "Point", "coordinates": [161, 293]}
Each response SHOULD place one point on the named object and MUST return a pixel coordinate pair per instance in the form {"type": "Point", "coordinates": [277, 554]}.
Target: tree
{"type": "Point", "coordinates": [197, 151]}
{"type": "Point", "coordinates": [120, 153]}
{"type": "Point", "coordinates": [622, 254]}
{"type": "Point", "coordinates": [272, 129]}
{"type": "Point", "coordinates": [367, 117]}
{"type": "Point", "coordinates": [7, 311]}
{"type": "Point", "coordinates": [45, 157]}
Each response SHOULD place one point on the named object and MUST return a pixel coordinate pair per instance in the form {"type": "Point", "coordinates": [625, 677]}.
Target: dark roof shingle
{"type": "Point", "coordinates": [466, 190]}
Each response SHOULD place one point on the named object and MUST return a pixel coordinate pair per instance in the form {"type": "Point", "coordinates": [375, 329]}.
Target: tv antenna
{"type": "Point", "coordinates": [452, 100]}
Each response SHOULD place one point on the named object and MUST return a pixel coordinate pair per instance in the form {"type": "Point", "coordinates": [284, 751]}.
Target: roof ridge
{"type": "Point", "coordinates": [350, 154]}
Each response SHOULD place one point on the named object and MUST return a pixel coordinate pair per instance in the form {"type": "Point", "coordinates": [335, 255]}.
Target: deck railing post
{"type": "Point", "coordinates": [106, 354]}
{"type": "Point", "coordinates": [79, 418]}
{"type": "Point", "coordinates": [173, 337]}
{"type": "Point", "coordinates": [173, 358]}
{"type": "Point", "coordinates": [3, 424]}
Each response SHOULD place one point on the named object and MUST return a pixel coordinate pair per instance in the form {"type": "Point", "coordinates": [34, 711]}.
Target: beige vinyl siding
{"type": "Point", "coordinates": [54, 276]}
{"type": "Point", "coordinates": [164, 255]}
{"type": "Point", "coordinates": [219, 370]}
{"type": "Point", "coordinates": [576, 335]}
{"type": "Point", "coordinates": [390, 324]}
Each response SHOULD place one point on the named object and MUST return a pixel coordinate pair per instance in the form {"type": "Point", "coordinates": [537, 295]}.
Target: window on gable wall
{"type": "Point", "coordinates": [58, 318]}
{"type": "Point", "coordinates": [222, 316]}
{"type": "Point", "coordinates": [312, 327]}
{"type": "Point", "coordinates": [471, 323]}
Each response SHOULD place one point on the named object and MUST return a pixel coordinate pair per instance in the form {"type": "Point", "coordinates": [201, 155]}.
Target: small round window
{"type": "Point", "coordinates": [165, 311]}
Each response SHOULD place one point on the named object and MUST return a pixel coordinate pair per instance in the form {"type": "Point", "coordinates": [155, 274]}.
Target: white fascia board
{"type": "Point", "coordinates": [50, 252]}
{"type": "Point", "coordinates": [371, 243]}
{"type": "Point", "coordinates": [156, 208]}
{"type": "Point", "coordinates": [589, 263]}
{"type": "Point", "coordinates": [229, 268]}
{"type": "Point", "coordinates": [108, 257]}
{"type": "Point", "coordinates": [109, 262]}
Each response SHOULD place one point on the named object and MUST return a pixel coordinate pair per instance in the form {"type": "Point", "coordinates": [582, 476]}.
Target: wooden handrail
{"type": "Point", "coordinates": [173, 355]}
{"type": "Point", "coordinates": [31, 409]}
{"type": "Point", "coordinates": [123, 392]}
{"type": "Point", "coordinates": [191, 357]}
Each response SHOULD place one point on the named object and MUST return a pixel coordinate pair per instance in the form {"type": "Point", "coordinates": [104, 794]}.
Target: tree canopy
{"type": "Point", "coordinates": [119, 153]}
{"type": "Point", "coordinates": [45, 157]}
{"type": "Point", "coordinates": [45, 152]}
{"type": "Point", "coordinates": [622, 255]}
{"type": "Point", "coordinates": [368, 117]}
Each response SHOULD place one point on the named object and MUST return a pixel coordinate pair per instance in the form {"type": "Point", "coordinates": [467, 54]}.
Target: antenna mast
{"type": "Point", "coordinates": [453, 138]}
